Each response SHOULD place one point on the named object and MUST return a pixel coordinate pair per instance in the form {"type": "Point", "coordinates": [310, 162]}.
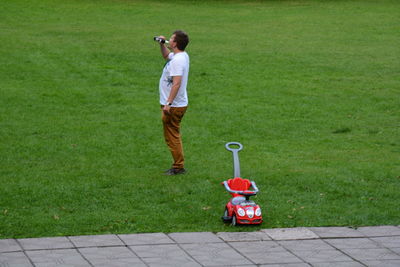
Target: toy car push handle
{"type": "Point", "coordinates": [236, 164]}
{"type": "Point", "coordinates": [243, 193]}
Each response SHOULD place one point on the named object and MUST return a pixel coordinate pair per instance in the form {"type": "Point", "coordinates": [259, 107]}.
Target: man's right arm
{"type": "Point", "coordinates": [164, 50]}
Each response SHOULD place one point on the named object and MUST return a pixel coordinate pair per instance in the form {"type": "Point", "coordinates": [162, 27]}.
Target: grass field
{"type": "Point", "coordinates": [310, 88]}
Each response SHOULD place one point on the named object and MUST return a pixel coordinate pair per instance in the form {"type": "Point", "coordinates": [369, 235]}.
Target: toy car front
{"type": "Point", "coordinates": [248, 214]}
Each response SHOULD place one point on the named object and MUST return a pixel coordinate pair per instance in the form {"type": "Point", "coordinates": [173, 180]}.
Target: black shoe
{"type": "Point", "coordinates": [175, 171]}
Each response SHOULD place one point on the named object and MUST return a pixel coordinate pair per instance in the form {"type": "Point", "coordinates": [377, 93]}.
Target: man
{"type": "Point", "coordinates": [173, 95]}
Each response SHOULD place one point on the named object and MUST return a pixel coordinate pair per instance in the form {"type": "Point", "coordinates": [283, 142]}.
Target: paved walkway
{"type": "Point", "coordinates": [322, 246]}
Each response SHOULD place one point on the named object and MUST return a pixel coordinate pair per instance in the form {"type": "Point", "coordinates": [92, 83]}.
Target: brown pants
{"type": "Point", "coordinates": [172, 123]}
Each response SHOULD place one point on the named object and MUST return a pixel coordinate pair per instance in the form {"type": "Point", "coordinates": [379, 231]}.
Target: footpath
{"type": "Point", "coordinates": [305, 246]}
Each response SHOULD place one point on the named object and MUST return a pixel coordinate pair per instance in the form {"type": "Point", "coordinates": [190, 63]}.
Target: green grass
{"type": "Point", "coordinates": [310, 88]}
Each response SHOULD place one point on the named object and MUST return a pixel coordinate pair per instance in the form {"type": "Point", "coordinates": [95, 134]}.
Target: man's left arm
{"type": "Point", "coordinates": [176, 84]}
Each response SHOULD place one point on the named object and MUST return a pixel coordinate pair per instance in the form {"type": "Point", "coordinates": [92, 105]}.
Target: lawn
{"type": "Point", "coordinates": [310, 88]}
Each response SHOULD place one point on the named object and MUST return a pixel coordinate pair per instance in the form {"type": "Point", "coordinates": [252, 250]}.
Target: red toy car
{"type": "Point", "coordinates": [240, 209]}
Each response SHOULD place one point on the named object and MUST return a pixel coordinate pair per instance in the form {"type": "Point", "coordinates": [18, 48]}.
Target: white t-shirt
{"type": "Point", "coordinates": [177, 65]}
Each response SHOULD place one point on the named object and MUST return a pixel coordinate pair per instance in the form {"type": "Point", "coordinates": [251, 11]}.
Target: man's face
{"type": "Point", "coordinates": [172, 43]}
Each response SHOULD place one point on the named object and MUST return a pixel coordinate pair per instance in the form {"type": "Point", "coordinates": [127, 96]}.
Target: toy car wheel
{"type": "Point", "coordinates": [234, 223]}
{"type": "Point", "coordinates": [226, 214]}
{"type": "Point", "coordinates": [226, 218]}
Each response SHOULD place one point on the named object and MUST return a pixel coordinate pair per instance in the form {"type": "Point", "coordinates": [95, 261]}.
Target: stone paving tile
{"type": "Point", "coordinates": [171, 262]}
{"type": "Point", "coordinates": [286, 265]}
{"type": "Point", "coordinates": [389, 241]}
{"type": "Point", "coordinates": [164, 255]}
{"type": "Point", "coordinates": [14, 259]}
{"type": "Point", "coordinates": [111, 256]}
{"type": "Point", "coordinates": [243, 236]}
{"type": "Point", "coordinates": [371, 254]}
{"type": "Point", "coordinates": [8, 245]}
{"type": "Point", "coordinates": [327, 255]}
{"type": "Point", "coordinates": [157, 251]}
{"type": "Point", "coordinates": [375, 231]}
{"type": "Point", "coordinates": [265, 252]}
{"type": "Point", "coordinates": [395, 250]}
{"type": "Point", "coordinates": [146, 239]}
{"type": "Point", "coordinates": [96, 241]}
{"type": "Point", "coordinates": [343, 243]}
{"type": "Point", "coordinates": [338, 264]}
{"type": "Point", "coordinates": [327, 232]}
{"type": "Point", "coordinates": [214, 254]}
{"type": "Point", "coordinates": [274, 258]}
{"type": "Point", "coordinates": [382, 263]}
{"type": "Point", "coordinates": [58, 257]}
{"type": "Point", "coordinates": [45, 243]}
{"type": "Point", "coordinates": [290, 233]}
{"type": "Point", "coordinates": [261, 246]}
{"type": "Point", "coordinates": [312, 244]}
{"type": "Point", "coordinates": [201, 237]}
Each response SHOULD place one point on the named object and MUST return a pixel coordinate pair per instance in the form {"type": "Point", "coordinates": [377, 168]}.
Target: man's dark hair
{"type": "Point", "coordinates": [181, 39]}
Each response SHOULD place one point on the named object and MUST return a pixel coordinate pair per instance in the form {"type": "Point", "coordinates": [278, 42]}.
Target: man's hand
{"type": "Point", "coordinates": [166, 109]}
{"type": "Point", "coordinates": [162, 37]}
